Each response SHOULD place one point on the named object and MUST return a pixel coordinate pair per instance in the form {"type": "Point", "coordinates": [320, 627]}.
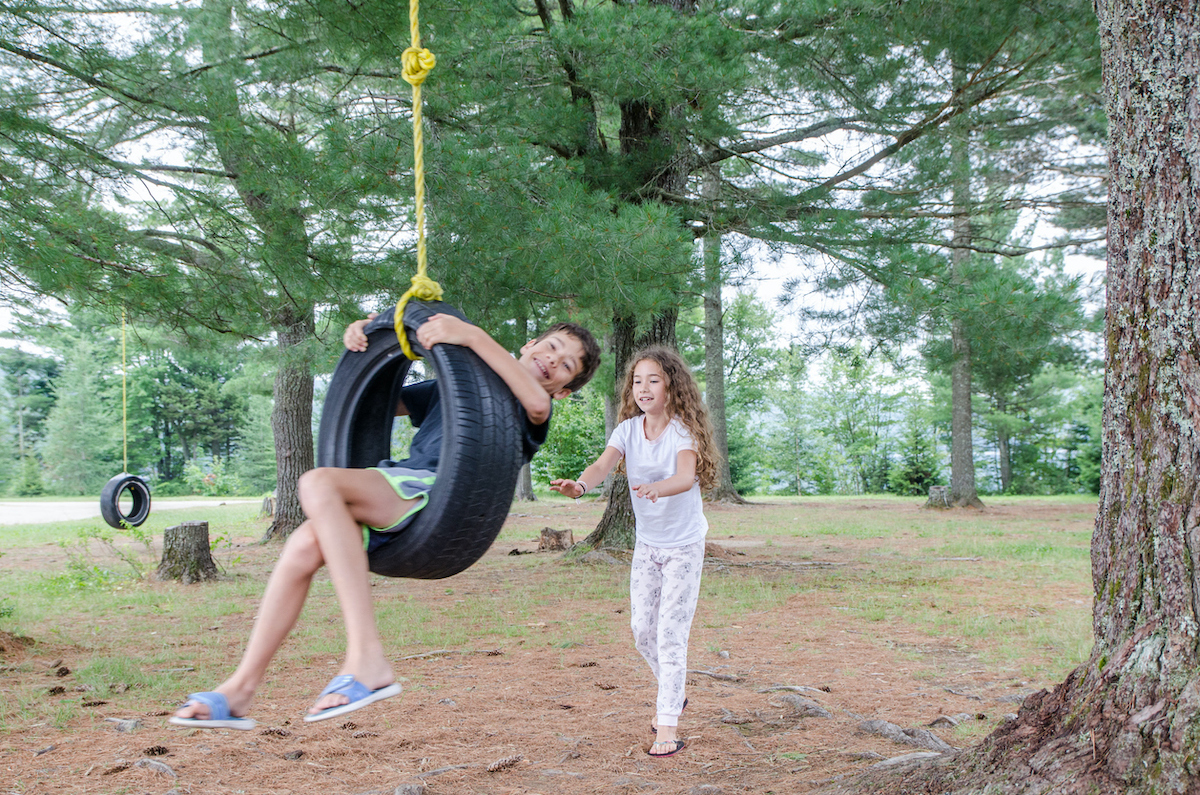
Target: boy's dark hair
{"type": "Point", "coordinates": [588, 362]}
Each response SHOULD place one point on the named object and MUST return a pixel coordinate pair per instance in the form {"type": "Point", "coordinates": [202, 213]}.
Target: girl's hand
{"type": "Point", "coordinates": [648, 491]}
{"type": "Point", "coordinates": [567, 488]}
{"type": "Point", "coordinates": [353, 337]}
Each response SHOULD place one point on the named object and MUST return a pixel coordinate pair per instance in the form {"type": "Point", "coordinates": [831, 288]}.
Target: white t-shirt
{"type": "Point", "coordinates": [673, 521]}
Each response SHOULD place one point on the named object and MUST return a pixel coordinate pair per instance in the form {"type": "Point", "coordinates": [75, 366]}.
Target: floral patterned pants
{"type": "Point", "coordinates": [664, 585]}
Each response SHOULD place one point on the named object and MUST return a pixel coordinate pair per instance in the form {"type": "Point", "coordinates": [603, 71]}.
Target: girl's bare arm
{"type": "Point", "coordinates": [592, 476]}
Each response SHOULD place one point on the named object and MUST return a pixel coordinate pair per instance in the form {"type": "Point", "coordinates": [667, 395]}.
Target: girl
{"type": "Point", "coordinates": [666, 441]}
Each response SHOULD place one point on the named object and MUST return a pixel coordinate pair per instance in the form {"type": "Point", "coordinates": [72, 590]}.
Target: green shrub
{"type": "Point", "coordinates": [218, 481]}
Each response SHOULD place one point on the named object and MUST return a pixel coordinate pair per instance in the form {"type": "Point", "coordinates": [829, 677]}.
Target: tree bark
{"type": "Point", "coordinates": [962, 454]}
{"type": "Point", "coordinates": [714, 349]}
{"type": "Point", "coordinates": [651, 156]}
{"type": "Point", "coordinates": [660, 332]}
{"type": "Point", "coordinates": [291, 421]}
{"type": "Point", "coordinates": [1127, 722]}
{"type": "Point", "coordinates": [552, 540]}
{"type": "Point", "coordinates": [610, 424]}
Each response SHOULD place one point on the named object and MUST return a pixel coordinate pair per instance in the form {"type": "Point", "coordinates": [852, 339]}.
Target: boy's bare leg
{"type": "Point", "coordinates": [336, 502]}
{"type": "Point", "coordinates": [282, 601]}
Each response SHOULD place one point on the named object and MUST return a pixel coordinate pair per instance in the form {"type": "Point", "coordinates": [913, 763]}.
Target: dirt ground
{"type": "Point", "coordinates": [527, 716]}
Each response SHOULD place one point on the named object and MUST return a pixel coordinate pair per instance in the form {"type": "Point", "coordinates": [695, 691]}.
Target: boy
{"type": "Point", "coordinates": [338, 502]}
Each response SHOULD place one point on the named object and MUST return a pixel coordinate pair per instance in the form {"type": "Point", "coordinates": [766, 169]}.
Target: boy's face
{"type": "Point", "coordinates": [553, 361]}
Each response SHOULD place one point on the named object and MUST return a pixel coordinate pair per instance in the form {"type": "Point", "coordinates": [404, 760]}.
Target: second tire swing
{"type": "Point", "coordinates": [110, 501]}
{"type": "Point", "coordinates": [139, 490]}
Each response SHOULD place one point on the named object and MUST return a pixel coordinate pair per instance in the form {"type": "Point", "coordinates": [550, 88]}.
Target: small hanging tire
{"type": "Point", "coordinates": [110, 501]}
{"type": "Point", "coordinates": [481, 453]}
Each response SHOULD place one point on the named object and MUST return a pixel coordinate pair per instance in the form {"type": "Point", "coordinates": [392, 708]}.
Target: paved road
{"type": "Point", "coordinates": [36, 512]}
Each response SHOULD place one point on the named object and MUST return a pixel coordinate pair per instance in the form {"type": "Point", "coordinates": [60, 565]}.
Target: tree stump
{"type": "Point", "coordinates": [939, 497]}
{"type": "Point", "coordinates": [555, 540]}
{"type": "Point", "coordinates": [186, 554]}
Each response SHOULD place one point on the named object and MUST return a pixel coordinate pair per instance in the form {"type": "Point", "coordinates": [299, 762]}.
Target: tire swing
{"type": "Point", "coordinates": [481, 446]}
{"type": "Point", "coordinates": [482, 442]}
{"type": "Point", "coordinates": [139, 490]}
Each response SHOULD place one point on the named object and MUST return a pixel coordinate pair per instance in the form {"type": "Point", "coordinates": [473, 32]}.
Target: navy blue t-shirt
{"type": "Point", "coordinates": [425, 412]}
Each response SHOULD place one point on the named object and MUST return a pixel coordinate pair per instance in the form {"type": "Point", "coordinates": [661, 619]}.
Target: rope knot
{"type": "Point", "coordinates": [425, 288]}
{"type": "Point", "coordinates": [418, 63]}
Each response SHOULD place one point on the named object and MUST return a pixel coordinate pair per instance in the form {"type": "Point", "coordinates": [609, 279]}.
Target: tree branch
{"type": "Point", "coordinates": [719, 153]}
{"type": "Point", "coordinates": [87, 79]}
{"type": "Point", "coordinates": [208, 172]}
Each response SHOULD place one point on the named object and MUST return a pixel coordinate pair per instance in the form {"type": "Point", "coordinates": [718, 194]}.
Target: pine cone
{"type": "Point", "coordinates": [504, 764]}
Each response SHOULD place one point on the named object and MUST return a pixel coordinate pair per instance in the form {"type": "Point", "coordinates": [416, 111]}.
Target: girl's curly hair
{"type": "Point", "coordinates": [683, 401]}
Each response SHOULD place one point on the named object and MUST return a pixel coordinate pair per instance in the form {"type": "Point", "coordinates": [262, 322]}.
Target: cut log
{"type": "Point", "coordinates": [939, 497]}
{"type": "Point", "coordinates": [555, 540]}
{"type": "Point", "coordinates": [187, 556]}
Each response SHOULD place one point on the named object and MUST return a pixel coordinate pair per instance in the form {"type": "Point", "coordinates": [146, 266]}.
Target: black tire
{"type": "Point", "coordinates": [481, 447]}
{"type": "Point", "coordinates": [110, 501]}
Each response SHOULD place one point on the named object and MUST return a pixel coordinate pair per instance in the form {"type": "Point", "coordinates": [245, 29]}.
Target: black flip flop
{"type": "Point", "coordinates": [654, 729]}
{"type": "Point", "coordinates": [679, 745]}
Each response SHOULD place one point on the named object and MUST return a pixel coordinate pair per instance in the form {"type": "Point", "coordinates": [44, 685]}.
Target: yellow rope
{"type": "Point", "coordinates": [418, 62]}
{"type": "Point", "coordinates": [124, 403]}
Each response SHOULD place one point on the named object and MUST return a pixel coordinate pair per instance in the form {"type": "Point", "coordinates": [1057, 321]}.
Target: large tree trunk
{"type": "Point", "coordinates": [714, 348]}
{"type": "Point", "coordinates": [1128, 721]}
{"type": "Point", "coordinates": [962, 453]}
{"type": "Point", "coordinates": [524, 491]}
{"type": "Point", "coordinates": [615, 528]}
{"type": "Point", "coordinates": [291, 420]}
{"type": "Point", "coordinates": [650, 154]}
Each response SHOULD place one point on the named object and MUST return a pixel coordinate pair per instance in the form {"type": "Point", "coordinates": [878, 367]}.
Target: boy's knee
{"type": "Point", "coordinates": [313, 482]}
{"type": "Point", "coordinates": [302, 551]}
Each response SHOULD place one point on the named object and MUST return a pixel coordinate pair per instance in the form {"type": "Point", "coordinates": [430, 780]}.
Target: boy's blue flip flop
{"type": "Point", "coordinates": [219, 716]}
{"type": "Point", "coordinates": [358, 693]}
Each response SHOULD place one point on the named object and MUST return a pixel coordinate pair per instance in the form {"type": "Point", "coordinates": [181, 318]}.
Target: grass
{"type": "Point", "coordinates": [1008, 588]}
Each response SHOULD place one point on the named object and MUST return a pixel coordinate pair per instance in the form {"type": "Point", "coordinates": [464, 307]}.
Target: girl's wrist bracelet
{"type": "Point", "coordinates": [583, 487]}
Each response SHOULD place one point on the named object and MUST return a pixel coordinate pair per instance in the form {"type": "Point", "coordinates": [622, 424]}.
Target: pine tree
{"type": "Point", "coordinates": [917, 468]}
{"type": "Point", "coordinates": [254, 462]}
{"type": "Point", "coordinates": [29, 398]}
{"type": "Point", "coordinates": [82, 448]}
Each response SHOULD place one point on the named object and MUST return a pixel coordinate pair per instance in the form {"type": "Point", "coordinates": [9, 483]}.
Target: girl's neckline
{"type": "Point", "coordinates": [646, 430]}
